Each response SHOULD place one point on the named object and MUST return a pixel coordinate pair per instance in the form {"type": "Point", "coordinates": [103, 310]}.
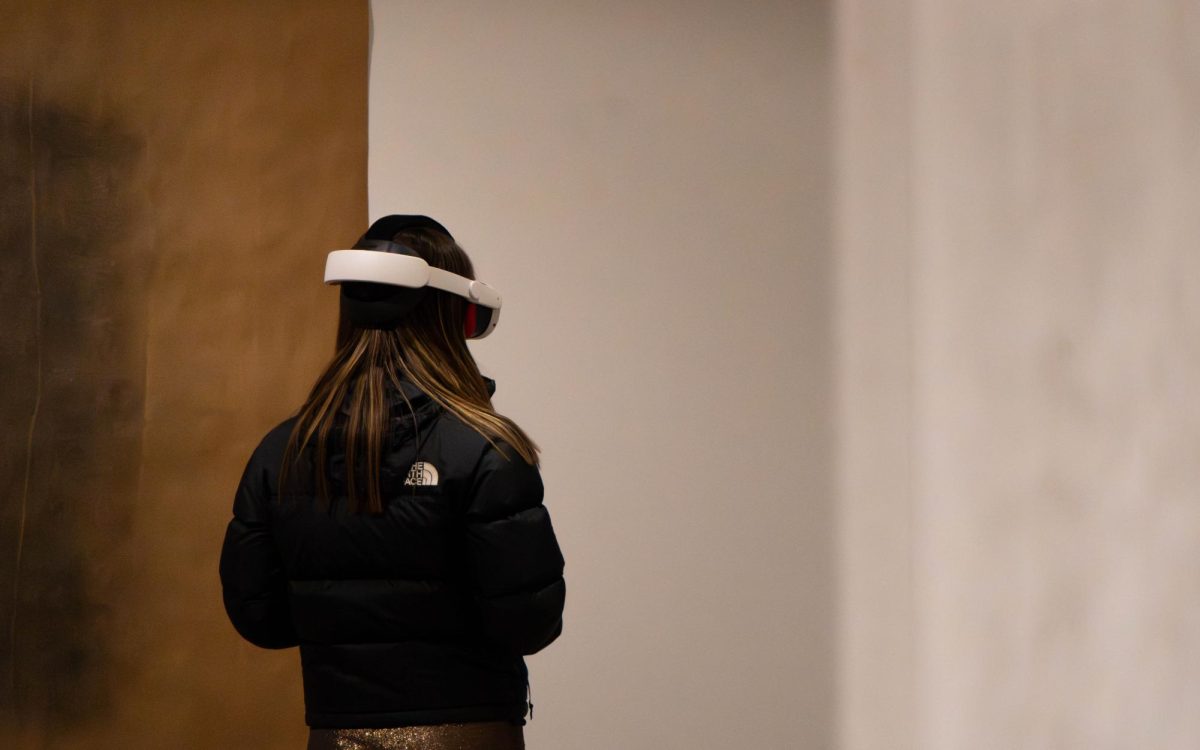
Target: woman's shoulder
{"type": "Point", "coordinates": [472, 454]}
{"type": "Point", "coordinates": [270, 448]}
{"type": "Point", "coordinates": [278, 435]}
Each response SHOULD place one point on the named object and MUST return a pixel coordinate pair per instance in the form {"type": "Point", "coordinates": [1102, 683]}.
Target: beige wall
{"type": "Point", "coordinates": [1018, 278]}
{"type": "Point", "coordinates": [874, 375]}
{"type": "Point", "coordinates": [647, 185]}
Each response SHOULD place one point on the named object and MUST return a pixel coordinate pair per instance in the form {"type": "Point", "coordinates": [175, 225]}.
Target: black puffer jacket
{"type": "Point", "coordinates": [420, 615]}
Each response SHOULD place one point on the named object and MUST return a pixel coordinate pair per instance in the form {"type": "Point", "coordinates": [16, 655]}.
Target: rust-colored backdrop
{"type": "Point", "coordinates": [171, 176]}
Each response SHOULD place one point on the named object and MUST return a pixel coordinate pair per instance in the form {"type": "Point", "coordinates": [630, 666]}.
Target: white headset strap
{"type": "Point", "coordinates": [476, 291]}
{"type": "Point", "coordinates": [404, 270]}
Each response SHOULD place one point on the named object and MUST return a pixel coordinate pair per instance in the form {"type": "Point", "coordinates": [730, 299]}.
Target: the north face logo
{"type": "Point", "coordinates": [422, 473]}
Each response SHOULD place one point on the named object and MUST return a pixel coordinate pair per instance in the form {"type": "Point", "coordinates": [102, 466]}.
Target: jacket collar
{"type": "Point", "coordinates": [413, 392]}
{"type": "Point", "coordinates": [415, 395]}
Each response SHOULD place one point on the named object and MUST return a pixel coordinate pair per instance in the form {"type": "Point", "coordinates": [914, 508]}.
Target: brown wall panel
{"type": "Point", "coordinates": [171, 175]}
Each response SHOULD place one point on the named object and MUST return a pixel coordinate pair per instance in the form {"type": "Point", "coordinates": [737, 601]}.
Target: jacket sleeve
{"type": "Point", "coordinates": [513, 558]}
{"type": "Point", "coordinates": [253, 580]}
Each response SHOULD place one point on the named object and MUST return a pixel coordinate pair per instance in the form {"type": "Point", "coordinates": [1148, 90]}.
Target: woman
{"type": "Point", "coordinates": [394, 528]}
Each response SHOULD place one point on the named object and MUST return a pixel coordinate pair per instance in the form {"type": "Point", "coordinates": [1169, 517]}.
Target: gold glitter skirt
{"type": "Point", "coordinates": [479, 735]}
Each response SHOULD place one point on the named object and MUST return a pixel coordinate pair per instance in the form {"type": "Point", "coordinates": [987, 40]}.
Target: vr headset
{"type": "Point", "coordinates": [382, 280]}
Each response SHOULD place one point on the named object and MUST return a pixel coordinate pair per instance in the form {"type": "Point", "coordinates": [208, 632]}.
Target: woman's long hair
{"type": "Point", "coordinates": [428, 349]}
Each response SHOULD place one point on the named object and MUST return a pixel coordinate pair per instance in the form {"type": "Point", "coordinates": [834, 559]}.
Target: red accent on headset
{"type": "Point", "coordinates": [469, 324]}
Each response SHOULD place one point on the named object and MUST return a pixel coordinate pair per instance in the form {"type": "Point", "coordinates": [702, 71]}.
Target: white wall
{"type": "Point", "coordinates": [647, 185]}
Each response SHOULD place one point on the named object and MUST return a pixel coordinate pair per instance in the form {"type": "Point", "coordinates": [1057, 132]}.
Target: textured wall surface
{"type": "Point", "coordinates": [1050, 491]}
{"type": "Point", "coordinates": [171, 175]}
